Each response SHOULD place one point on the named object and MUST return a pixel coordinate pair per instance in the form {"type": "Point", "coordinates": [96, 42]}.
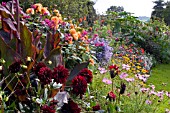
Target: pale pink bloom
{"type": "Point", "coordinates": [106, 81]}
{"type": "Point", "coordinates": [152, 86]}
{"type": "Point", "coordinates": [126, 67]}
{"type": "Point", "coordinates": [152, 92]}
{"type": "Point", "coordinates": [167, 94]}
{"type": "Point", "coordinates": [144, 90]}
{"type": "Point", "coordinates": [123, 75]}
{"type": "Point", "coordinates": [148, 102]}
{"type": "Point", "coordinates": [129, 79]}
{"type": "Point", "coordinates": [160, 94]}
{"type": "Point", "coordinates": [102, 70]}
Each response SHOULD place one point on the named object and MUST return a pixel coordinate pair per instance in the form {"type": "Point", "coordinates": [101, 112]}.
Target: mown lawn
{"type": "Point", "coordinates": [160, 77]}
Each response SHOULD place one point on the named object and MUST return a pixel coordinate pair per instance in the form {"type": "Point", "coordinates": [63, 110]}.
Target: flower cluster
{"type": "Point", "coordinates": [45, 74]}
{"type": "Point", "coordinates": [103, 50]}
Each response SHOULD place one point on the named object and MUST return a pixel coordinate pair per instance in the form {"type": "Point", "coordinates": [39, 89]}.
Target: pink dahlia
{"type": "Point", "coordinates": [60, 74]}
{"type": "Point", "coordinates": [87, 74]}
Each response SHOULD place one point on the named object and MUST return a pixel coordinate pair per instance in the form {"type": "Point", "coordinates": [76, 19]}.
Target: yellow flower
{"type": "Point", "coordinates": [30, 11]}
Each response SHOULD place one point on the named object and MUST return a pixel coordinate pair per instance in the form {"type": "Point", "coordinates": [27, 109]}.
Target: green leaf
{"type": "Point", "coordinates": [55, 57]}
{"type": "Point", "coordinates": [77, 69]}
{"type": "Point", "coordinates": [26, 41]}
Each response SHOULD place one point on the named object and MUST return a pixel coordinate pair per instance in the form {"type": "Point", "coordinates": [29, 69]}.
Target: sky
{"type": "Point", "coordinates": [138, 7]}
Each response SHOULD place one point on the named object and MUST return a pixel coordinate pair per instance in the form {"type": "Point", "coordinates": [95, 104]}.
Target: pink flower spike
{"type": "Point", "coordinates": [106, 81]}
{"type": "Point", "coordinates": [123, 75]}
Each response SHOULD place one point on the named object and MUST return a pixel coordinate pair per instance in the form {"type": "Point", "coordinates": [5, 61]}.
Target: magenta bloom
{"type": "Point", "coordinates": [102, 70]}
{"type": "Point", "coordinates": [148, 102]}
{"type": "Point", "coordinates": [106, 81]}
{"type": "Point", "coordinates": [45, 75]}
{"type": "Point", "coordinates": [79, 85]}
{"type": "Point", "coordinates": [111, 96]}
{"type": "Point", "coordinates": [60, 74]}
{"type": "Point", "coordinates": [87, 74]}
{"type": "Point", "coordinates": [129, 79]}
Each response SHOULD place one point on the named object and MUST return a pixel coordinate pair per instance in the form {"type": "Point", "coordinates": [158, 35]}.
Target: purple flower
{"type": "Point", "coordinates": [106, 81]}
{"type": "Point", "coordinates": [126, 67]}
{"type": "Point", "coordinates": [144, 90]}
{"type": "Point", "coordinates": [167, 94]}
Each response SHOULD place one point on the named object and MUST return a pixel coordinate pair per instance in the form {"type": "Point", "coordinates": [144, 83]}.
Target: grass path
{"type": "Point", "coordinates": [160, 77]}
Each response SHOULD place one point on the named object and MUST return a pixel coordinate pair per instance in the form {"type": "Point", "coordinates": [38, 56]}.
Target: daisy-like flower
{"type": "Point", "coordinates": [123, 75]}
{"type": "Point", "coordinates": [126, 67]}
{"type": "Point", "coordinates": [148, 102]}
{"type": "Point", "coordinates": [102, 70]}
{"type": "Point", "coordinates": [60, 74]}
{"type": "Point", "coordinates": [129, 79]}
{"type": "Point", "coordinates": [79, 85]}
{"type": "Point", "coordinates": [167, 94]}
{"type": "Point", "coordinates": [87, 74]}
{"type": "Point", "coordinates": [106, 81]}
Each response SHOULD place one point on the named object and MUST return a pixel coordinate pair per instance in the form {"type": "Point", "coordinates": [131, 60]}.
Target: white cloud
{"type": "Point", "coordinates": [138, 7]}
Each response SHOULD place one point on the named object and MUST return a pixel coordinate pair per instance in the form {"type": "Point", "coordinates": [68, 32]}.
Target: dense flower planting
{"type": "Point", "coordinates": [51, 64]}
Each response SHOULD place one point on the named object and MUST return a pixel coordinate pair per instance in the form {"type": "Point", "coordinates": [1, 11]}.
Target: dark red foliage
{"type": "Point", "coordinates": [60, 74]}
{"type": "Point", "coordinates": [96, 107]}
{"type": "Point", "coordinates": [38, 66]}
{"type": "Point", "coordinates": [48, 109]}
{"type": "Point", "coordinates": [45, 75]}
{"type": "Point", "coordinates": [79, 85]}
{"type": "Point", "coordinates": [111, 96]}
{"type": "Point", "coordinates": [71, 107]}
{"type": "Point", "coordinates": [87, 74]}
{"type": "Point", "coordinates": [15, 67]}
{"type": "Point", "coordinates": [123, 88]}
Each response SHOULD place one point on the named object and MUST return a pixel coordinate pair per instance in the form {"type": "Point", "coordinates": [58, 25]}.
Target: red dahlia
{"type": "Point", "coordinates": [71, 107]}
{"type": "Point", "coordinates": [38, 67]}
{"type": "Point", "coordinates": [48, 109]}
{"type": "Point", "coordinates": [60, 74]}
{"type": "Point", "coordinates": [96, 107]}
{"type": "Point", "coordinates": [79, 85]}
{"type": "Point", "coordinates": [45, 75]}
{"type": "Point", "coordinates": [87, 74]}
{"type": "Point", "coordinates": [15, 67]}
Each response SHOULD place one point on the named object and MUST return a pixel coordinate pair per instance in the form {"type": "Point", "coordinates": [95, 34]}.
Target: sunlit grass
{"type": "Point", "coordinates": [160, 77]}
